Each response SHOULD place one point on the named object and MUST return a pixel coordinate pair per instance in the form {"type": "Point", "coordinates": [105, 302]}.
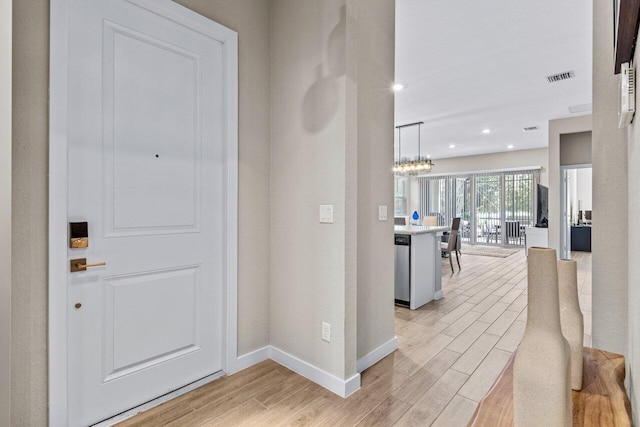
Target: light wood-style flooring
{"type": "Point", "coordinates": [450, 353]}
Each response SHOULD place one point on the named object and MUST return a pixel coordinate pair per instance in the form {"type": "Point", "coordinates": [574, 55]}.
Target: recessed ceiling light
{"type": "Point", "coordinates": [582, 108]}
{"type": "Point", "coordinates": [398, 86]}
{"type": "Point", "coordinates": [452, 146]}
{"type": "Point", "coordinates": [509, 147]}
{"type": "Point", "coordinates": [485, 131]}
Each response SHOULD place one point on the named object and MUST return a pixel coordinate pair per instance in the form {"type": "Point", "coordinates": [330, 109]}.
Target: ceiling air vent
{"type": "Point", "coordinates": [561, 76]}
{"type": "Point", "coordinates": [530, 128]}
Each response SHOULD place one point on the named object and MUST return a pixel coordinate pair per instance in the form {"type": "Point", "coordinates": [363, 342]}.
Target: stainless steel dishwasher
{"type": "Point", "coordinates": [403, 269]}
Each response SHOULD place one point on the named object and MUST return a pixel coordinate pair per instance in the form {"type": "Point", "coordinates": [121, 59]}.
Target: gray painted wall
{"type": "Point", "coordinates": [5, 214]}
{"type": "Point", "coordinates": [633, 193]}
{"type": "Point", "coordinates": [373, 49]}
{"type": "Point", "coordinates": [575, 148]}
{"type": "Point", "coordinates": [332, 118]}
{"type": "Point", "coordinates": [308, 154]}
{"type": "Point", "coordinates": [616, 188]}
{"type": "Point", "coordinates": [293, 272]}
{"type": "Point", "coordinates": [30, 196]}
{"type": "Point", "coordinates": [610, 193]}
{"type": "Point", "coordinates": [29, 213]}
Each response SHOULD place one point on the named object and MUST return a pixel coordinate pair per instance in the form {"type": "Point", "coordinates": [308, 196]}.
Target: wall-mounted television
{"type": "Point", "coordinates": [542, 211]}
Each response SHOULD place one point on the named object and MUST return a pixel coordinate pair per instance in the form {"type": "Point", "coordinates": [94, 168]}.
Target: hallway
{"type": "Point", "coordinates": [450, 353]}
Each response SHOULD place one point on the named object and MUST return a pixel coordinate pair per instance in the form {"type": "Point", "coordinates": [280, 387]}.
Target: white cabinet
{"type": "Point", "coordinates": [418, 274]}
{"type": "Point", "coordinates": [534, 236]}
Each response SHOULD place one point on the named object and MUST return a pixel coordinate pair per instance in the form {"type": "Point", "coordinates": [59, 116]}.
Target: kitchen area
{"type": "Point", "coordinates": [418, 271]}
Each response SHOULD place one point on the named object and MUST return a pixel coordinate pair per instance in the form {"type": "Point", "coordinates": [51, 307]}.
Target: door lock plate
{"type": "Point", "coordinates": [78, 235]}
{"type": "Point", "coordinates": [79, 264]}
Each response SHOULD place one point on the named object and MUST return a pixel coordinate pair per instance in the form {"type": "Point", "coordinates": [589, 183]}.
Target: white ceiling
{"type": "Point", "coordinates": [468, 65]}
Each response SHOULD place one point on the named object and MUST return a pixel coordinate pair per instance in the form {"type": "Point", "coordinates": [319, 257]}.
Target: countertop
{"type": "Point", "coordinates": [418, 229]}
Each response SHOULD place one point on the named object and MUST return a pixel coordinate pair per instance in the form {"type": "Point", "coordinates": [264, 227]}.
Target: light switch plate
{"type": "Point", "coordinates": [382, 213]}
{"type": "Point", "coordinates": [326, 214]}
{"type": "Point", "coordinates": [326, 332]}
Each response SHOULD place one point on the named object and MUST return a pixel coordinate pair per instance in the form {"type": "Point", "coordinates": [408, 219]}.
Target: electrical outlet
{"type": "Point", "coordinates": [326, 332]}
{"type": "Point", "coordinates": [382, 213]}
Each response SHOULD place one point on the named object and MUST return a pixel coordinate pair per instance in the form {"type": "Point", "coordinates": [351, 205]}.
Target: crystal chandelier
{"type": "Point", "coordinates": [416, 165]}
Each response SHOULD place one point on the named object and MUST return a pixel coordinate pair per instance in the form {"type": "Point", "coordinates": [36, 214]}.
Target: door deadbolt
{"type": "Point", "coordinates": [78, 235]}
{"type": "Point", "coordinates": [80, 264]}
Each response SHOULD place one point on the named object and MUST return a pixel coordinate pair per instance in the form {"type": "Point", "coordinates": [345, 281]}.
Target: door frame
{"type": "Point", "coordinates": [58, 240]}
{"type": "Point", "coordinates": [564, 251]}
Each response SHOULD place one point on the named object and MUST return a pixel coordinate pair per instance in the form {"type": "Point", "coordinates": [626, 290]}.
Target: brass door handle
{"type": "Point", "coordinates": [80, 264]}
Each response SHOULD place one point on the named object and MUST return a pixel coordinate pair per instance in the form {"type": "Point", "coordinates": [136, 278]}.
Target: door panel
{"type": "Point", "coordinates": [488, 208]}
{"type": "Point", "coordinates": [166, 121]}
{"type": "Point", "coordinates": [129, 343]}
{"type": "Point", "coordinates": [146, 115]}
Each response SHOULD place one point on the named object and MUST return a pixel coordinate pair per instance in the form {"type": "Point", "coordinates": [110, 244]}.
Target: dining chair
{"type": "Point", "coordinates": [430, 221]}
{"type": "Point", "coordinates": [490, 231]}
{"type": "Point", "coordinates": [452, 245]}
{"type": "Point", "coordinates": [513, 231]}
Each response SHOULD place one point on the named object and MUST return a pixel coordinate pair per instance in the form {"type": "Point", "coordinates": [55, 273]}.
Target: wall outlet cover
{"type": "Point", "coordinates": [326, 214]}
{"type": "Point", "coordinates": [326, 332]}
{"type": "Point", "coordinates": [382, 213]}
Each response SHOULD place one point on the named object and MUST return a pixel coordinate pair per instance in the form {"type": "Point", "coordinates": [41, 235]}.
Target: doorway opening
{"type": "Point", "coordinates": [576, 203]}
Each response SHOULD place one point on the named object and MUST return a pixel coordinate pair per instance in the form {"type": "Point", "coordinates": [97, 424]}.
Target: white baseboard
{"type": "Point", "coordinates": [438, 295]}
{"type": "Point", "coordinates": [342, 388]}
{"type": "Point", "coordinates": [247, 360]}
{"type": "Point", "coordinates": [377, 355]}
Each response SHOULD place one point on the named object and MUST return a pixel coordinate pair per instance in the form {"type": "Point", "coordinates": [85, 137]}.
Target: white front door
{"type": "Point", "coordinates": [146, 129]}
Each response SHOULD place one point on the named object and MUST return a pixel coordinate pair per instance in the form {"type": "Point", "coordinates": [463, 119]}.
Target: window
{"type": "Point", "coordinates": [488, 208]}
{"type": "Point", "coordinates": [494, 208]}
{"type": "Point", "coordinates": [400, 193]}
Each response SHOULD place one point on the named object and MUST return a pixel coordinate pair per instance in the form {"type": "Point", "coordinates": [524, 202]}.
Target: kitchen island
{"type": "Point", "coordinates": [418, 275]}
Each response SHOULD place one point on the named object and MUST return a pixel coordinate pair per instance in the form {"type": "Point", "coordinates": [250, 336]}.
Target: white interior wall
{"type": "Point", "coordinates": [610, 195]}
{"type": "Point", "coordinates": [572, 176]}
{"type": "Point", "coordinates": [495, 161]}
{"type": "Point", "coordinates": [5, 213]}
{"type": "Point", "coordinates": [413, 202]}
{"type": "Point", "coordinates": [584, 188]}
{"type": "Point", "coordinates": [579, 190]}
